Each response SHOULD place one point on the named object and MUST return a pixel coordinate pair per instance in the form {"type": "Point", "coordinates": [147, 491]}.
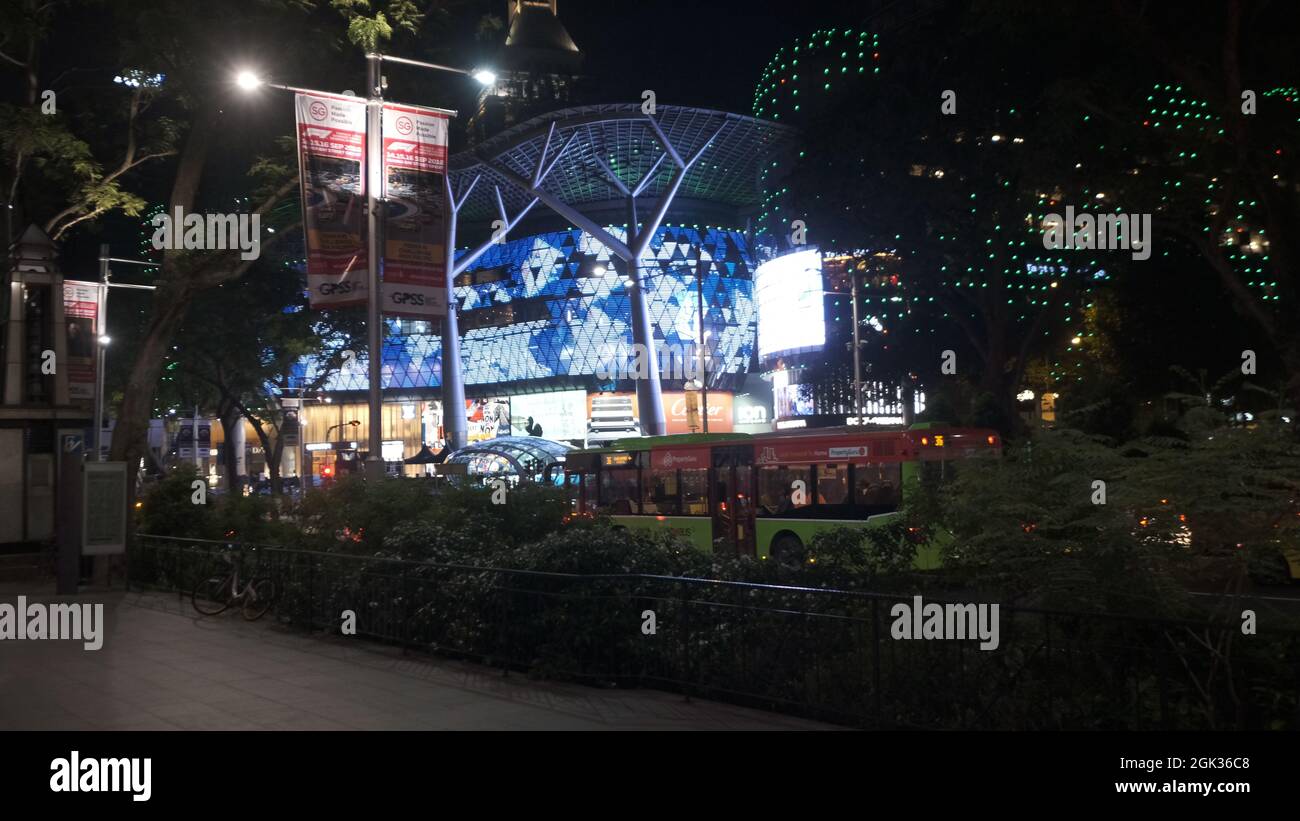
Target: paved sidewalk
{"type": "Point", "coordinates": [164, 667]}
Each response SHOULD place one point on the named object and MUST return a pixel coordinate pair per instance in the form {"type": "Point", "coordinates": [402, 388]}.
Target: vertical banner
{"type": "Point", "coordinates": [291, 406]}
{"type": "Point", "coordinates": [185, 439]}
{"type": "Point", "coordinates": [80, 309]}
{"type": "Point", "coordinates": [415, 236]}
{"type": "Point", "coordinates": [331, 166]}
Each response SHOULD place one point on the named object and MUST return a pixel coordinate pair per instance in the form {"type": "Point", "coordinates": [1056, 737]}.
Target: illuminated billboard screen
{"type": "Point", "coordinates": [791, 312]}
{"type": "Point", "coordinates": [562, 415]}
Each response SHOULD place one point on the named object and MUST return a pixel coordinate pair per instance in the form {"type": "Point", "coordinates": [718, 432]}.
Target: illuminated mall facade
{"type": "Point", "coordinates": [546, 316]}
{"type": "Point", "coordinates": [543, 314]}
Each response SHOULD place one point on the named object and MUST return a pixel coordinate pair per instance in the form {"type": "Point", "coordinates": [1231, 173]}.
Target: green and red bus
{"type": "Point", "coordinates": [766, 495]}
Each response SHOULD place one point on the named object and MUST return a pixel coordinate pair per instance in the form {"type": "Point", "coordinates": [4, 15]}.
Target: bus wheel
{"type": "Point", "coordinates": [787, 550]}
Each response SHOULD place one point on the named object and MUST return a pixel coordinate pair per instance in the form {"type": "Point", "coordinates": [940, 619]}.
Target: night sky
{"type": "Point", "coordinates": [707, 53]}
{"type": "Point", "coordinates": [692, 52]}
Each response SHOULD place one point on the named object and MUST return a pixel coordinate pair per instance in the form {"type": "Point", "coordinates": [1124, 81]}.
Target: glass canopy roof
{"type": "Point", "coordinates": [527, 457]}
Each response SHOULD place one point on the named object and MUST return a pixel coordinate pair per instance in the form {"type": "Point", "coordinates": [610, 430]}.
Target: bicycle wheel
{"type": "Point", "coordinates": [212, 595]}
{"type": "Point", "coordinates": [258, 598]}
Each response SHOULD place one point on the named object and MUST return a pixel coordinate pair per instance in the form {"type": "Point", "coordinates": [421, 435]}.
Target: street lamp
{"type": "Point", "coordinates": [248, 80]}
{"type": "Point", "coordinates": [102, 340]}
{"type": "Point", "coordinates": [703, 380]}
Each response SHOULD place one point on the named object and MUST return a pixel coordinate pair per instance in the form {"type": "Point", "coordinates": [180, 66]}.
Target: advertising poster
{"type": "Point", "coordinates": [103, 523]}
{"type": "Point", "coordinates": [80, 306]}
{"type": "Point", "coordinates": [677, 405]}
{"type": "Point", "coordinates": [487, 419]}
{"type": "Point", "coordinates": [562, 415]}
{"type": "Point", "coordinates": [331, 165]}
{"type": "Point", "coordinates": [613, 416]}
{"type": "Point", "coordinates": [415, 159]}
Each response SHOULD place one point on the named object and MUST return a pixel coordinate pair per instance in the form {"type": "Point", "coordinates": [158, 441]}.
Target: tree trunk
{"type": "Point", "coordinates": [231, 420]}
{"type": "Point", "coordinates": [272, 453]}
{"type": "Point", "coordinates": [130, 437]}
{"type": "Point", "coordinates": [998, 379]}
{"type": "Point", "coordinates": [273, 465]}
{"type": "Point", "coordinates": [170, 304]}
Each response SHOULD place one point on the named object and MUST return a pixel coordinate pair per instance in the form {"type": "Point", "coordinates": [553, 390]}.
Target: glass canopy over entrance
{"type": "Point", "coordinates": [527, 457]}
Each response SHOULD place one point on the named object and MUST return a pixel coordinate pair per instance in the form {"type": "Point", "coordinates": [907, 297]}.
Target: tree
{"type": "Point", "coordinates": [189, 41]}
{"type": "Point", "coordinates": [242, 341]}
{"type": "Point", "coordinates": [54, 130]}
{"type": "Point", "coordinates": [1209, 140]}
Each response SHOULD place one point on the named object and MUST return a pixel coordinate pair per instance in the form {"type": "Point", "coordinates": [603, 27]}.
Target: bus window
{"type": "Point", "coordinates": [618, 491]}
{"type": "Point", "coordinates": [661, 493]}
{"type": "Point", "coordinates": [878, 487]}
{"type": "Point", "coordinates": [776, 491]}
{"type": "Point", "coordinates": [695, 492]}
{"type": "Point", "coordinates": [573, 490]}
{"type": "Point", "coordinates": [832, 484]}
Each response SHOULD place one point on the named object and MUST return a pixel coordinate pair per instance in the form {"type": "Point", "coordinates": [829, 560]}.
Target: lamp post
{"type": "Point", "coordinates": [374, 467]}
{"type": "Point", "coordinates": [304, 476]}
{"type": "Point", "coordinates": [247, 80]}
{"type": "Point", "coordinates": [704, 367]}
{"type": "Point", "coordinates": [356, 423]}
{"type": "Point", "coordinates": [857, 353]}
{"type": "Point", "coordinates": [338, 448]}
{"type": "Point", "coordinates": [102, 339]}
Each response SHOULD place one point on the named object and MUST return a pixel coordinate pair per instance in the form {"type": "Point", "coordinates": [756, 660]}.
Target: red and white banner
{"type": "Point", "coordinates": [415, 235]}
{"type": "Point", "coordinates": [80, 314]}
{"type": "Point", "coordinates": [332, 168]}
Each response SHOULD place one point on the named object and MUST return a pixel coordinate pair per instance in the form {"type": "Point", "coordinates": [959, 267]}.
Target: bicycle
{"type": "Point", "coordinates": [215, 594]}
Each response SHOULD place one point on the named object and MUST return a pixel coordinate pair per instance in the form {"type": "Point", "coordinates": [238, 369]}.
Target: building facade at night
{"type": "Point", "coordinates": [812, 377]}
{"type": "Point", "coordinates": [544, 321]}
{"type": "Point", "coordinates": [546, 316]}
{"type": "Point", "coordinates": [805, 84]}
{"type": "Point", "coordinates": [805, 339]}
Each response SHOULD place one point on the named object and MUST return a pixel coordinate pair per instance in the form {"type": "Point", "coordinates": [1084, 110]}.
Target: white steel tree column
{"type": "Point", "coordinates": [453, 382]}
{"type": "Point", "coordinates": [649, 394]}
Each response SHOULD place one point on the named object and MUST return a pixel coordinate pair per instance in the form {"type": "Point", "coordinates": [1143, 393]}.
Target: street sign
{"type": "Point", "coordinates": [103, 528]}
